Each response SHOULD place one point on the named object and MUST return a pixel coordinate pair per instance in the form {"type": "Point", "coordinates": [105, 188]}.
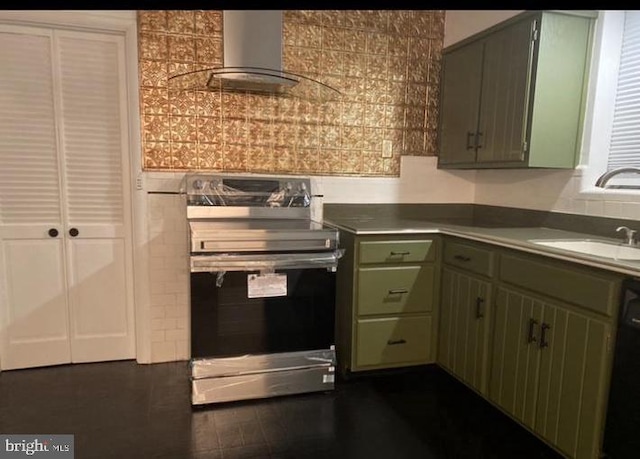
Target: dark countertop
{"type": "Point", "coordinates": [505, 236]}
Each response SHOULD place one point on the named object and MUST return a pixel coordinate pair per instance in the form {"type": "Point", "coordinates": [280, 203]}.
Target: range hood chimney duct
{"type": "Point", "coordinates": [252, 61]}
{"type": "Point", "coordinates": [252, 38]}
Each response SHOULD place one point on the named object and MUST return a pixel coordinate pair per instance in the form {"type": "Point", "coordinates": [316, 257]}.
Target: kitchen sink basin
{"type": "Point", "coordinates": [593, 247]}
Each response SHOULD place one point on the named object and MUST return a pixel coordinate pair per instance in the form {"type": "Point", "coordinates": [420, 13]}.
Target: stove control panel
{"type": "Point", "coordinates": [232, 190]}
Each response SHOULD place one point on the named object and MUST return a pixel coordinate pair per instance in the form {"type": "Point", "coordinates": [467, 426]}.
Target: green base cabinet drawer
{"type": "Point", "coordinates": [392, 341]}
{"type": "Point", "coordinates": [470, 258]}
{"type": "Point", "coordinates": [397, 251]}
{"type": "Point", "coordinates": [395, 290]}
{"type": "Point", "coordinates": [571, 284]}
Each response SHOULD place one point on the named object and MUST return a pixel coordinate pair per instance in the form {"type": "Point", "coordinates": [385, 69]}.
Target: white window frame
{"type": "Point", "coordinates": [599, 113]}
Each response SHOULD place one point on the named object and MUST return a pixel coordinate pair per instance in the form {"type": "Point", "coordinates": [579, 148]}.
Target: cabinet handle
{"type": "Point", "coordinates": [543, 335]}
{"type": "Point", "coordinates": [401, 254]}
{"type": "Point", "coordinates": [531, 338]}
{"type": "Point", "coordinates": [462, 258]}
{"type": "Point", "coordinates": [393, 342]}
{"type": "Point", "coordinates": [479, 303]}
{"type": "Point", "coordinates": [478, 137]}
{"type": "Point", "coordinates": [470, 135]}
{"type": "Point", "coordinates": [398, 291]}
{"type": "Point", "coordinates": [73, 232]}
{"type": "Point", "coordinates": [53, 232]}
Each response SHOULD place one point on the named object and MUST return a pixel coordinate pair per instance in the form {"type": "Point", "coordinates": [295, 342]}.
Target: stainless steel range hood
{"type": "Point", "coordinates": [252, 61]}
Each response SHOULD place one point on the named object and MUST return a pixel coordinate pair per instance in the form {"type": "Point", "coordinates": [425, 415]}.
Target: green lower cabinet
{"type": "Point", "coordinates": [393, 341]}
{"type": "Point", "coordinates": [387, 293]}
{"type": "Point", "coordinates": [394, 251]}
{"type": "Point", "coordinates": [549, 370]}
{"type": "Point", "coordinates": [464, 318]}
{"type": "Point", "coordinates": [515, 357]}
{"type": "Point", "coordinates": [392, 290]}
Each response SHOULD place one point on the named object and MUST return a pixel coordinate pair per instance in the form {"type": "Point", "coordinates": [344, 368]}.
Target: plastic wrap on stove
{"type": "Point", "coordinates": [262, 385]}
{"type": "Point", "coordinates": [223, 379]}
{"type": "Point", "coordinates": [225, 195]}
{"type": "Point", "coordinates": [259, 363]}
{"type": "Point", "coordinates": [265, 262]}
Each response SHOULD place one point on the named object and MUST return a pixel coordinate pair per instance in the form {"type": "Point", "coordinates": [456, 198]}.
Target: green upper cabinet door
{"type": "Point", "coordinates": [462, 77]}
{"type": "Point", "coordinates": [529, 78]}
{"type": "Point", "coordinates": [505, 84]}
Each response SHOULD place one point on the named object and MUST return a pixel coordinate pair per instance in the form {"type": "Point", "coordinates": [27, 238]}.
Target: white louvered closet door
{"type": "Point", "coordinates": [91, 77]}
{"type": "Point", "coordinates": [64, 166]}
{"type": "Point", "coordinates": [33, 309]}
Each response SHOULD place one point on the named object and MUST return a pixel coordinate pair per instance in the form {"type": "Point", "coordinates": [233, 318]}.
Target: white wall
{"type": "Point", "coordinates": [168, 278]}
{"type": "Point", "coordinates": [459, 24]}
{"type": "Point", "coordinates": [420, 182]}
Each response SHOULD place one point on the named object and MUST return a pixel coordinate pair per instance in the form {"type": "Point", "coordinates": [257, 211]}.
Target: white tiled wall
{"type": "Point", "coordinates": [168, 278]}
{"type": "Point", "coordinates": [558, 191]}
{"type": "Point", "coordinates": [419, 182]}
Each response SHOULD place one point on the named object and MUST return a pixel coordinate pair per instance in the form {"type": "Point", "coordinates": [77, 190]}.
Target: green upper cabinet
{"type": "Point", "coordinates": [459, 115]}
{"type": "Point", "coordinates": [513, 95]}
{"type": "Point", "coordinates": [505, 91]}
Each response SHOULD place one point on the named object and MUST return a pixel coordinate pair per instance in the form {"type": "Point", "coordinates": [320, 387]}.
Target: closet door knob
{"type": "Point", "coordinates": [53, 232]}
{"type": "Point", "coordinates": [73, 232]}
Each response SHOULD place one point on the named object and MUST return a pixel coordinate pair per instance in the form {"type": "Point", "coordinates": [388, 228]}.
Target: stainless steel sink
{"type": "Point", "coordinates": [593, 247]}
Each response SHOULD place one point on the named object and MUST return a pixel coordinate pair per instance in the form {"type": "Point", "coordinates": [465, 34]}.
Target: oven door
{"type": "Point", "coordinates": [230, 317]}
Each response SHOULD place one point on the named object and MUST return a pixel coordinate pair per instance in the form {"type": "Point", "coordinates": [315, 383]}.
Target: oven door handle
{"type": "Point", "coordinates": [265, 262]}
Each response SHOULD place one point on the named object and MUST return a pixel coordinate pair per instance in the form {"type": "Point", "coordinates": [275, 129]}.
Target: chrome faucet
{"type": "Point", "coordinates": [629, 235]}
{"type": "Point", "coordinates": [604, 178]}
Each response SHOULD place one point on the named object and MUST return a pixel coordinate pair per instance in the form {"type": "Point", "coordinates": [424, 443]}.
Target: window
{"type": "Point", "coordinates": [611, 137]}
{"type": "Point", "coordinates": [624, 146]}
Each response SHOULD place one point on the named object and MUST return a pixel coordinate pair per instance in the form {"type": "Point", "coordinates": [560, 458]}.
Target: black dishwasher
{"type": "Point", "coordinates": [622, 431]}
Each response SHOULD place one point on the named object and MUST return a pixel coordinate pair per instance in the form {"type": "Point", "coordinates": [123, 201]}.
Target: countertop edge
{"type": "Point", "coordinates": [523, 246]}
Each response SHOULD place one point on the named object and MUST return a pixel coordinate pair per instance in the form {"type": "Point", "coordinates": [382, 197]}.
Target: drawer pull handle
{"type": "Point", "coordinates": [399, 254]}
{"type": "Point", "coordinates": [398, 291]}
{"type": "Point", "coordinates": [393, 342]}
{"type": "Point", "coordinates": [543, 335]}
{"type": "Point", "coordinates": [462, 258]}
{"type": "Point", "coordinates": [479, 302]}
{"type": "Point", "coordinates": [531, 337]}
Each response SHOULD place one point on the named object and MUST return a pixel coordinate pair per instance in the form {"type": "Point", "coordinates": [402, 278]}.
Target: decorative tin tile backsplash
{"type": "Point", "coordinates": [386, 64]}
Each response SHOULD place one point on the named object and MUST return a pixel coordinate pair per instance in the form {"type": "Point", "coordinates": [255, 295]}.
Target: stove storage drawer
{"type": "Point", "coordinates": [396, 251]}
{"type": "Point", "coordinates": [392, 290]}
{"type": "Point", "coordinates": [393, 341]}
{"type": "Point", "coordinates": [262, 384]}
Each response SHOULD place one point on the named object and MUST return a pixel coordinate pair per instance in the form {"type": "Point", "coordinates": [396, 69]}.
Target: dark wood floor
{"type": "Point", "coordinates": [126, 410]}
